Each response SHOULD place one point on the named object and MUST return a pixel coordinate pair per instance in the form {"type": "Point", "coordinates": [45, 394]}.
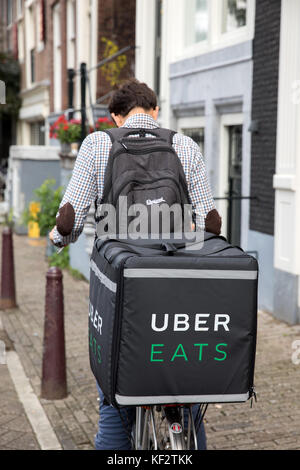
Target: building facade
{"type": "Point", "coordinates": [205, 76]}
{"type": "Point", "coordinates": [48, 37]}
{"type": "Point", "coordinates": [286, 181]}
{"type": "Point", "coordinates": [263, 143]}
{"type": "Point", "coordinates": [227, 74]}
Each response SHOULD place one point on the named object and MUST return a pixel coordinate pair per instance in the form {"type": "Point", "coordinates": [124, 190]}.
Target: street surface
{"type": "Point", "coordinates": [272, 423]}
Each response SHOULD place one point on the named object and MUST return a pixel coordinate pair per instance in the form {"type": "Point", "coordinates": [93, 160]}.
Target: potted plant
{"type": "Point", "coordinates": [67, 132]}
{"type": "Point", "coordinates": [49, 200]}
{"type": "Point", "coordinates": [104, 123]}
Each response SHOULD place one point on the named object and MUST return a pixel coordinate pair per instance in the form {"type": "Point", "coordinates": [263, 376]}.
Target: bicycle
{"type": "Point", "coordinates": [165, 427]}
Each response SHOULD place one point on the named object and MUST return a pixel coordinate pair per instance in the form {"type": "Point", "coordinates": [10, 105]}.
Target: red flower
{"type": "Point", "coordinates": [61, 118]}
{"type": "Point", "coordinates": [103, 119]}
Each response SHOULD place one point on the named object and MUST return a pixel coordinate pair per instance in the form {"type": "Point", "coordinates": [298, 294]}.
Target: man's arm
{"type": "Point", "coordinates": [207, 217]}
{"type": "Point", "coordinates": [81, 191]}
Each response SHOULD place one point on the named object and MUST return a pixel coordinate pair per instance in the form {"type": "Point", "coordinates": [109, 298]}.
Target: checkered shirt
{"type": "Point", "coordinates": [87, 181]}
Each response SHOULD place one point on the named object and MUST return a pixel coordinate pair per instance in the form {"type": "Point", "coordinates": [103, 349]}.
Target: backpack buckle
{"type": "Point", "coordinates": [142, 133]}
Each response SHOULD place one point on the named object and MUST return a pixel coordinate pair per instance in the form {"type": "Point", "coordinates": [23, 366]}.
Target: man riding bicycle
{"type": "Point", "coordinates": [133, 105]}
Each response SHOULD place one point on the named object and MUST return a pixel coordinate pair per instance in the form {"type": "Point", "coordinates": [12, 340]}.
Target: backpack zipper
{"type": "Point", "coordinates": [143, 151]}
{"type": "Point", "coordinates": [146, 182]}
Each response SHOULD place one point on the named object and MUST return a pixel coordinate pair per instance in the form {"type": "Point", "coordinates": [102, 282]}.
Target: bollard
{"type": "Point", "coordinates": [8, 290]}
{"type": "Point", "coordinates": [54, 380]}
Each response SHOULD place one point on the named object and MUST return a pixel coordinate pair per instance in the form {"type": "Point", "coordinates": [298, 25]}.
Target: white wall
{"type": "Point", "coordinates": [287, 178]}
{"type": "Point", "coordinates": [175, 21]}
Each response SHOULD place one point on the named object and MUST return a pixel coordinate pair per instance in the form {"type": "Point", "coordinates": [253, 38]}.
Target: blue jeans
{"type": "Point", "coordinates": [114, 431]}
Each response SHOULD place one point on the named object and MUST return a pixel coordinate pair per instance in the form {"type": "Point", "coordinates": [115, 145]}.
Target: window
{"type": "Point", "coordinates": [21, 41]}
{"type": "Point", "coordinates": [32, 66]}
{"type": "Point", "coordinates": [234, 15]}
{"type": "Point", "coordinates": [235, 184]}
{"type": "Point", "coordinates": [19, 8]}
{"type": "Point", "coordinates": [41, 24]}
{"type": "Point", "coordinates": [9, 12]}
{"type": "Point", "coordinates": [198, 21]}
{"type": "Point", "coordinates": [71, 20]}
{"type": "Point", "coordinates": [57, 65]}
{"type": "Point", "coordinates": [9, 33]}
{"type": "Point", "coordinates": [157, 53]}
{"type": "Point", "coordinates": [37, 133]}
{"type": "Point", "coordinates": [197, 134]}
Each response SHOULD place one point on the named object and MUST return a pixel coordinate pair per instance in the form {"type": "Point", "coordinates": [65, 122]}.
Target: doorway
{"type": "Point", "coordinates": [235, 140]}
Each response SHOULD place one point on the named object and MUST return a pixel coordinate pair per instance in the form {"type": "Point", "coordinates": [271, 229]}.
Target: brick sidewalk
{"type": "Point", "coordinates": [15, 430]}
{"type": "Point", "coordinates": [273, 423]}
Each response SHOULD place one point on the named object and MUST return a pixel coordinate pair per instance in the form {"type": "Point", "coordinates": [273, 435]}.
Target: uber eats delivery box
{"type": "Point", "coordinates": [170, 325]}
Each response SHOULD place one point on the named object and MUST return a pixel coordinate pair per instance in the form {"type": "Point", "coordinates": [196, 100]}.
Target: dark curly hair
{"type": "Point", "coordinates": [132, 94]}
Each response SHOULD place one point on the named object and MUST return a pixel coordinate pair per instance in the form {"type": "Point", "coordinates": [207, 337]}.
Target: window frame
{"type": "Point", "coordinates": [21, 43]}
{"type": "Point", "coordinates": [9, 8]}
{"type": "Point", "coordinates": [226, 121]}
{"type": "Point", "coordinates": [39, 20]}
{"type": "Point", "coordinates": [223, 17]}
{"type": "Point", "coordinates": [190, 12]}
{"type": "Point", "coordinates": [20, 9]}
{"type": "Point", "coordinates": [192, 122]}
{"type": "Point", "coordinates": [216, 39]}
{"type": "Point", "coordinates": [238, 34]}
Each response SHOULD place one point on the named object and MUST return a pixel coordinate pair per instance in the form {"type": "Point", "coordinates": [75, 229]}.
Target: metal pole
{"type": "Point", "coordinates": [83, 100]}
{"type": "Point", "coordinates": [71, 75]}
{"type": "Point", "coordinates": [229, 218]}
{"type": "Point", "coordinates": [54, 379]}
{"type": "Point", "coordinates": [112, 57]}
{"type": "Point", "coordinates": [8, 289]}
{"type": "Point", "coordinates": [91, 101]}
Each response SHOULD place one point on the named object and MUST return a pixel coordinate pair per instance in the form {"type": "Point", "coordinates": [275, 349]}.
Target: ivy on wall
{"type": "Point", "coordinates": [112, 70]}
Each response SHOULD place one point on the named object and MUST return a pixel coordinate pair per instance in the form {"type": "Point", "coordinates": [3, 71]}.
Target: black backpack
{"type": "Point", "coordinates": [146, 170]}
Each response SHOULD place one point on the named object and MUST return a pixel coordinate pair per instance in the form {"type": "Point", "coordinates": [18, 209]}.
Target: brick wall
{"type": "Point", "coordinates": [116, 23]}
{"type": "Point", "coordinates": [264, 110]}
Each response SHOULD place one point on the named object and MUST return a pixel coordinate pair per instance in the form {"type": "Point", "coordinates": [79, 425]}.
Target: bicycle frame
{"type": "Point", "coordinates": [179, 438]}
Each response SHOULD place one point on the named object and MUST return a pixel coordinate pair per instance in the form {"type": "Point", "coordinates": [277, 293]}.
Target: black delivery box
{"type": "Point", "coordinates": [171, 325]}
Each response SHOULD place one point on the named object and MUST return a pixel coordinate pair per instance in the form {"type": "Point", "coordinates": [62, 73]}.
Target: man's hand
{"type": "Point", "coordinates": [51, 235]}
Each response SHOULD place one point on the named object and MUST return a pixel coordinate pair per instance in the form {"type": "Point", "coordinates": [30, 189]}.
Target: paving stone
{"type": "Point", "coordinates": [15, 429]}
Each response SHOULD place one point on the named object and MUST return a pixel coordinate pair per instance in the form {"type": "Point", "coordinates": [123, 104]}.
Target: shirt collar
{"type": "Point", "coordinates": [141, 120]}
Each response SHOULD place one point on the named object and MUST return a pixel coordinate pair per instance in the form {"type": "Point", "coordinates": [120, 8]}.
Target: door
{"type": "Point", "coordinates": [235, 134]}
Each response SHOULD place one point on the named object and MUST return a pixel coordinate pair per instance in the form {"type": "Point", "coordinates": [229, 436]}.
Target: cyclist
{"type": "Point", "coordinates": [133, 105]}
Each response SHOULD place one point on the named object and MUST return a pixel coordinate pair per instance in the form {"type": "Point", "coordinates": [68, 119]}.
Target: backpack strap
{"type": "Point", "coordinates": [116, 133]}
{"type": "Point", "coordinates": [166, 134]}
